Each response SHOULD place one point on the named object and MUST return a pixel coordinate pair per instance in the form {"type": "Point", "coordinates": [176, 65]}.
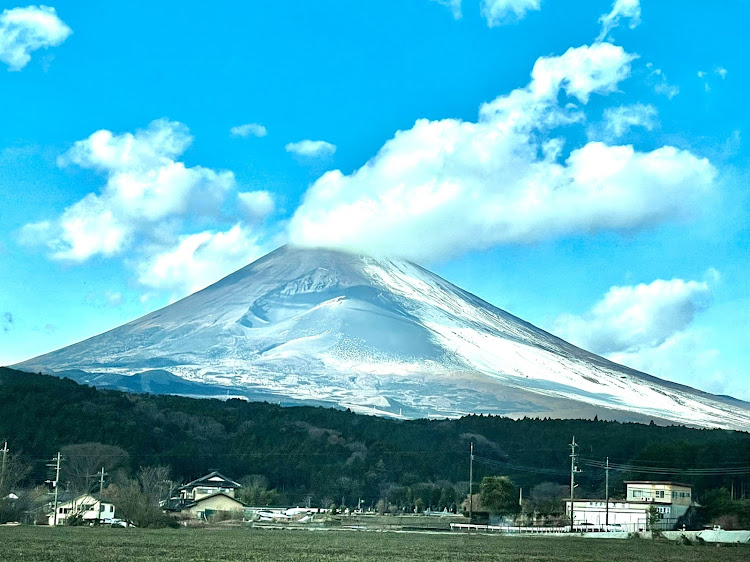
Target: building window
{"type": "Point", "coordinates": [659, 493]}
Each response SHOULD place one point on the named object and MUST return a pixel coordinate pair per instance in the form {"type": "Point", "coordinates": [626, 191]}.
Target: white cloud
{"type": "Point", "coordinates": [197, 260]}
{"type": "Point", "coordinates": [23, 30]}
{"type": "Point", "coordinates": [256, 205]}
{"type": "Point", "coordinates": [248, 130]}
{"type": "Point", "coordinates": [619, 120]}
{"type": "Point", "coordinates": [683, 357]}
{"type": "Point", "coordinates": [625, 9]}
{"type": "Point", "coordinates": [454, 5]}
{"type": "Point", "coordinates": [444, 187]}
{"type": "Point", "coordinates": [146, 188]}
{"type": "Point", "coordinates": [498, 12]}
{"type": "Point", "coordinates": [658, 80]}
{"type": "Point", "coordinates": [705, 76]}
{"type": "Point", "coordinates": [651, 328]}
{"type": "Point", "coordinates": [632, 318]}
{"type": "Point", "coordinates": [581, 71]}
{"type": "Point", "coordinates": [311, 148]}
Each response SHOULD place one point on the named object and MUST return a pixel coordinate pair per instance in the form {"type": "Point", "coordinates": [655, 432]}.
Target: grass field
{"type": "Point", "coordinates": [78, 544]}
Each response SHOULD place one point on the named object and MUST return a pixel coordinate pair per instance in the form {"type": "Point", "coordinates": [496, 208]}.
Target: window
{"type": "Point", "coordinates": [659, 493]}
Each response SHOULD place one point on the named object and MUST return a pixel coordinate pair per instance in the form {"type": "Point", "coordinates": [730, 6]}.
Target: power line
{"type": "Point", "coordinates": [521, 468]}
{"type": "Point", "coordinates": [714, 471]}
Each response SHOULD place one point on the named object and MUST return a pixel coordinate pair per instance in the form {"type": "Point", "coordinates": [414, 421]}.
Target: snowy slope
{"type": "Point", "coordinates": [379, 336]}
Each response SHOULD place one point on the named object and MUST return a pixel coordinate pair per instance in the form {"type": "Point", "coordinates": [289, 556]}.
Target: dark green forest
{"type": "Point", "coordinates": [334, 455]}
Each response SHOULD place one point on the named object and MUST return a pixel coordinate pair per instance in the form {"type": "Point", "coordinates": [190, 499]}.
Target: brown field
{"type": "Point", "coordinates": [68, 544]}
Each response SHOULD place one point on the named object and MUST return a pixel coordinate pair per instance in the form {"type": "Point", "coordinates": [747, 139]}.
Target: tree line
{"type": "Point", "coordinates": [326, 456]}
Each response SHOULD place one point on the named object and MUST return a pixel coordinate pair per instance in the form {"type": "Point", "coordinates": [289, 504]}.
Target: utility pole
{"type": "Point", "coordinates": [471, 481]}
{"type": "Point", "coordinates": [573, 471]}
{"type": "Point", "coordinates": [2, 470]}
{"type": "Point", "coordinates": [55, 483]}
{"type": "Point", "coordinates": [101, 491]}
{"type": "Point", "coordinates": [606, 492]}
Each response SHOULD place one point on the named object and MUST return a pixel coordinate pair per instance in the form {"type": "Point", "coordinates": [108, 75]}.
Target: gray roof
{"type": "Point", "coordinates": [212, 480]}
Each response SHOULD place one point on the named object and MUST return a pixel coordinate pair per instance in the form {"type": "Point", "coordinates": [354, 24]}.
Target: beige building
{"type": "Point", "coordinates": [207, 506]}
{"type": "Point", "coordinates": [671, 493]}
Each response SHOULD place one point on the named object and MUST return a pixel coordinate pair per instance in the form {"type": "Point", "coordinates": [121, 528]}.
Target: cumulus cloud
{"type": "Point", "coordinates": [248, 130]}
{"type": "Point", "coordinates": [311, 148]}
{"type": "Point", "coordinates": [498, 12]}
{"type": "Point", "coordinates": [632, 318]}
{"type": "Point", "coordinates": [454, 5]}
{"type": "Point", "coordinates": [621, 9]}
{"type": "Point", "coordinates": [651, 328]}
{"type": "Point", "coordinates": [619, 120]}
{"type": "Point", "coordinates": [683, 357]}
{"type": "Point", "coordinates": [24, 30]}
{"type": "Point", "coordinates": [444, 187]}
{"type": "Point", "coordinates": [197, 260]}
{"type": "Point", "coordinates": [146, 189]}
{"type": "Point", "coordinates": [256, 205]}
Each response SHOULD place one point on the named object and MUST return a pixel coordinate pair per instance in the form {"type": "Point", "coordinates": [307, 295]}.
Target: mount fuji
{"type": "Point", "coordinates": [379, 336]}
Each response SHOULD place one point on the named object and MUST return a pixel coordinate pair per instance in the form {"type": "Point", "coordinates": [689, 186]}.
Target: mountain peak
{"type": "Point", "coordinates": [381, 336]}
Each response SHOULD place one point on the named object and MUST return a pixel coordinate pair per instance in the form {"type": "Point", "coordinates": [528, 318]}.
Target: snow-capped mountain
{"type": "Point", "coordinates": [374, 335]}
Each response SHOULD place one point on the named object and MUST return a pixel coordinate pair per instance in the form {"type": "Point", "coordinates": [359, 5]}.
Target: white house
{"type": "Point", "coordinates": [671, 500]}
{"type": "Point", "coordinates": [87, 506]}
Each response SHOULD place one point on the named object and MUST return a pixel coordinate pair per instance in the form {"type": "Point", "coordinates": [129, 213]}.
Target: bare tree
{"type": "Point", "coordinates": [14, 470]}
{"type": "Point", "coordinates": [84, 461]}
{"type": "Point", "coordinates": [154, 482]}
{"type": "Point", "coordinates": [547, 498]}
{"type": "Point", "coordinates": [138, 500]}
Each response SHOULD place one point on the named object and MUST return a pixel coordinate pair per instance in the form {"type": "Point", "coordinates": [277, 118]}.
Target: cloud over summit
{"type": "Point", "coordinates": [446, 187]}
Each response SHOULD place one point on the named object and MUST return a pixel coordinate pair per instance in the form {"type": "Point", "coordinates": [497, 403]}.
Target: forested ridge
{"type": "Point", "coordinates": [327, 453]}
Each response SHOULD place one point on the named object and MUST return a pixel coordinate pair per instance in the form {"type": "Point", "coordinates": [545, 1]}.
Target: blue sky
{"type": "Point", "coordinates": [584, 169]}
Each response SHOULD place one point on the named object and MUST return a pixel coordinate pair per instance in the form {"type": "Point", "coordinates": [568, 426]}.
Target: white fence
{"type": "Point", "coordinates": [536, 530]}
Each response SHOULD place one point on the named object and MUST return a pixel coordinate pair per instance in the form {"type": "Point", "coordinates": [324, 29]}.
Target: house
{"type": "Point", "coordinates": [208, 506]}
{"type": "Point", "coordinates": [208, 485]}
{"type": "Point", "coordinates": [671, 500]}
{"type": "Point", "coordinates": [87, 506]}
{"type": "Point", "coordinates": [206, 496]}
